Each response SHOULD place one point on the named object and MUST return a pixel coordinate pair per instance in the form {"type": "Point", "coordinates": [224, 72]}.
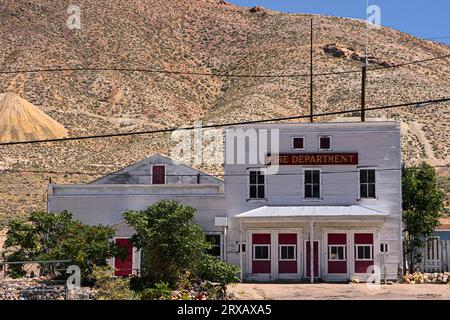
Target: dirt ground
{"type": "Point", "coordinates": [329, 291]}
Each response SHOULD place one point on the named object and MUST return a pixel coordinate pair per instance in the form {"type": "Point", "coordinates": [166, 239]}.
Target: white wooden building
{"type": "Point", "coordinates": [338, 184]}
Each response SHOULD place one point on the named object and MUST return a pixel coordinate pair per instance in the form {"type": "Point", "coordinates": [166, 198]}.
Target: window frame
{"type": "Point", "coordinates": [367, 183]}
{"type": "Point", "coordinates": [152, 175]}
{"type": "Point", "coordinates": [339, 246]}
{"type": "Point", "coordinates": [331, 143]}
{"type": "Point", "coordinates": [384, 248]}
{"type": "Point", "coordinates": [220, 245]}
{"type": "Point", "coordinates": [287, 245]}
{"type": "Point", "coordinates": [263, 170]}
{"type": "Point", "coordinates": [268, 246]}
{"type": "Point", "coordinates": [357, 258]}
{"type": "Point", "coordinates": [297, 137]}
{"type": "Point", "coordinates": [312, 184]}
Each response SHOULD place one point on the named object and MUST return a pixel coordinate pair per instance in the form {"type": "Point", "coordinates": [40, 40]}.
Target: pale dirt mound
{"type": "Point", "coordinates": [21, 120]}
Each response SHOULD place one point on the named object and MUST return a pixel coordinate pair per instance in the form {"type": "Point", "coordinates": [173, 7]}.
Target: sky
{"type": "Point", "coordinates": [421, 18]}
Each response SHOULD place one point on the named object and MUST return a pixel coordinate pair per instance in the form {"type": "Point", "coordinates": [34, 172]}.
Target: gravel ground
{"type": "Point", "coordinates": [328, 291]}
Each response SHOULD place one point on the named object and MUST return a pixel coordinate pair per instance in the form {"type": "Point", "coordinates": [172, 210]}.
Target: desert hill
{"type": "Point", "coordinates": [196, 36]}
{"type": "Point", "coordinates": [22, 121]}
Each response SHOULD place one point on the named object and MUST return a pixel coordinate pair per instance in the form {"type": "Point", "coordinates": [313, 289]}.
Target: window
{"type": "Point", "coordinates": [383, 248]}
{"type": "Point", "coordinates": [158, 174]}
{"type": "Point", "coordinates": [214, 240]}
{"type": "Point", "coordinates": [367, 183]}
{"type": "Point", "coordinates": [257, 184]}
{"type": "Point", "coordinates": [336, 252]}
{"type": "Point", "coordinates": [312, 184]}
{"type": "Point", "coordinates": [241, 245]}
{"type": "Point", "coordinates": [287, 252]}
{"type": "Point", "coordinates": [363, 252]}
{"type": "Point", "coordinates": [325, 143]}
{"type": "Point", "coordinates": [298, 143]}
{"type": "Point", "coordinates": [261, 252]}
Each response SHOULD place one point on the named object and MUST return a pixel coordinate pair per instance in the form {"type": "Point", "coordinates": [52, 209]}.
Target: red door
{"type": "Point", "coordinates": [124, 267]}
{"type": "Point", "coordinates": [315, 257]}
{"type": "Point", "coordinates": [363, 252]}
{"type": "Point", "coordinates": [158, 174]}
{"type": "Point", "coordinates": [337, 253]}
{"type": "Point", "coordinates": [287, 253]}
{"type": "Point", "coordinates": [261, 253]}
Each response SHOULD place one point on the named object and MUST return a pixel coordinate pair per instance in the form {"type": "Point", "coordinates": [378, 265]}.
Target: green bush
{"type": "Point", "coordinates": [110, 287]}
{"type": "Point", "coordinates": [212, 269]}
{"type": "Point", "coordinates": [160, 291]}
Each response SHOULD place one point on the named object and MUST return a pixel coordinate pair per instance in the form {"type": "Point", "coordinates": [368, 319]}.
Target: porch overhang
{"type": "Point", "coordinates": [308, 213]}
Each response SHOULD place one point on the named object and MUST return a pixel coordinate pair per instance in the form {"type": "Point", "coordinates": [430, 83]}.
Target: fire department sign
{"type": "Point", "coordinates": [315, 159]}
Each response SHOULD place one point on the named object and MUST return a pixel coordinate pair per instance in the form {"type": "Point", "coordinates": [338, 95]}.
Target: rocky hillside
{"type": "Point", "coordinates": [195, 36]}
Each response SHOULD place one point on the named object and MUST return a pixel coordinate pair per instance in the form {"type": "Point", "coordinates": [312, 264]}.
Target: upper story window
{"type": "Point", "coordinates": [158, 174]}
{"type": "Point", "coordinates": [367, 183]}
{"type": "Point", "coordinates": [298, 143]}
{"type": "Point", "coordinates": [257, 184]}
{"type": "Point", "coordinates": [312, 184]}
{"type": "Point", "coordinates": [325, 143]}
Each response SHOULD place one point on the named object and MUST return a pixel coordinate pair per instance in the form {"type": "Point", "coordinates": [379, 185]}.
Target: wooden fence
{"type": "Point", "coordinates": [435, 256]}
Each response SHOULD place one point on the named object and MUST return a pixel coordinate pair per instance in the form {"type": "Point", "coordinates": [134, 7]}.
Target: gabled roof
{"type": "Point", "coordinates": [312, 211]}
{"type": "Point", "coordinates": [157, 159]}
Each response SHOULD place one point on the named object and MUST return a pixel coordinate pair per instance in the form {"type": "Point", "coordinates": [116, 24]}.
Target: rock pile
{"type": "Point", "coordinates": [418, 277]}
{"type": "Point", "coordinates": [35, 289]}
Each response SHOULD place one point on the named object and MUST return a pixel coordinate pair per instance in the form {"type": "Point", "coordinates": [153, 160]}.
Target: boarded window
{"type": "Point", "coordinates": [325, 143]}
{"type": "Point", "coordinates": [158, 174]}
{"type": "Point", "coordinates": [298, 143]}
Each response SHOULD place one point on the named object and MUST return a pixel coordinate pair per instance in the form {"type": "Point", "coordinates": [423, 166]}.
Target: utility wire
{"type": "Point", "coordinates": [190, 175]}
{"type": "Point", "coordinates": [210, 74]}
{"type": "Point", "coordinates": [148, 132]}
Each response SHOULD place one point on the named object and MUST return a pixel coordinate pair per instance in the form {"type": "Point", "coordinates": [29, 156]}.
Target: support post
{"type": "Point", "coordinates": [311, 106]}
{"type": "Point", "coordinates": [311, 250]}
{"type": "Point", "coordinates": [363, 93]}
{"type": "Point", "coordinates": [240, 252]}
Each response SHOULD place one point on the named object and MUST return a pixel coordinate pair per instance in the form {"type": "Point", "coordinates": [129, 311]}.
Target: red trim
{"type": "Point", "coordinates": [158, 174]}
{"type": "Point", "coordinates": [287, 238]}
{"type": "Point", "coordinates": [316, 259]}
{"type": "Point", "coordinates": [124, 267]}
{"type": "Point", "coordinates": [261, 238]}
{"type": "Point", "coordinates": [257, 265]}
{"type": "Point", "coordinates": [337, 266]}
{"type": "Point", "coordinates": [363, 238]}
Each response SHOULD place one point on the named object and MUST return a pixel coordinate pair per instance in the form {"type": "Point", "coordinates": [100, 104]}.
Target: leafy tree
{"type": "Point", "coordinates": [171, 242]}
{"type": "Point", "coordinates": [56, 236]}
{"type": "Point", "coordinates": [422, 207]}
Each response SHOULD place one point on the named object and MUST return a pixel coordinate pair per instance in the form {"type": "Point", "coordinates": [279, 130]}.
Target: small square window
{"type": "Point", "coordinates": [325, 143]}
{"type": "Point", "coordinates": [261, 252]}
{"type": "Point", "coordinates": [363, 252]}
{"type": "Point", "coordinates": [241, 246]}
{"type": "Point", "coordinates": [336, 252]}
{"type": "Point", "coordinates": [287, 252]}
{"type": "Point", "coordinates": [383, 247]}
{"type": "Point", "coordinates": [298, 143]}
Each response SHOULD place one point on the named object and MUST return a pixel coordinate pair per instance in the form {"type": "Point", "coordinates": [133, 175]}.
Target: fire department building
{"type": "Point", "coordinates": [321, 200]}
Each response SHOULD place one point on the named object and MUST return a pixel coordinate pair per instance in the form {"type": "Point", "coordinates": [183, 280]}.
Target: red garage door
{"type": "Point", "coordinates": [261, 253]}
{"type": "Point", "coordinates": [124, 267]}
{"type": "Point", "coordinates": [337, 253]}
{"type": "Point", "coordinates": [287, 253]}
{"type": "Point", "coordinates": [363, 252]}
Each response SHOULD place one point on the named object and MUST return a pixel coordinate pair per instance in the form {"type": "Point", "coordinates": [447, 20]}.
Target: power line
{"type": "Point", "coordinates": [210, 74]}
{"type": "Point", "coordinates": [189, 175]}
{"type": "Point", "coordinates": [148, 132]}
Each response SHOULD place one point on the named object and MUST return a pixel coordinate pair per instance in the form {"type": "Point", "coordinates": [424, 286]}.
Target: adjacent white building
{"type": "Point", "coordinates": [338, 184]}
